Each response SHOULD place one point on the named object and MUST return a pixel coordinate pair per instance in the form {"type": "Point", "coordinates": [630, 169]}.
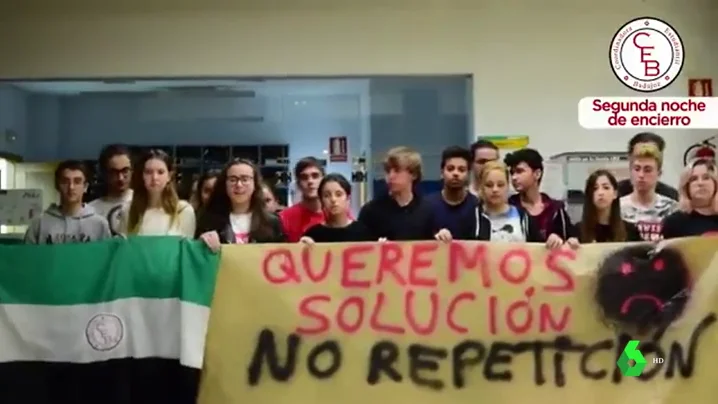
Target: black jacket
{"type": "Point", "coordinates": [603, 233]}
{"type": "Point", "coordinates": [220, 224]}
{"type": "Point", "coordinates": [384, 218]}
{"type": "Point", "coordinates": [625, 188]}
{"type": "Point", "coordinates": [482, 226]}
{"type": "Point", "coordinates": [553, 220]}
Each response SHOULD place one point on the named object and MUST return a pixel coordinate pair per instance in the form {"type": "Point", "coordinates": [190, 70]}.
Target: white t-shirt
{"type": "Point", "coordinates": [507, 226]}
{"type": "Point", "coordinates": [111, 208]}
{"type": "Point", "coordinates": [647, 218]}
{"type": "Point", "coordinates": [156, 222]}
{"type": "Point", "coordinates": [241, 224]}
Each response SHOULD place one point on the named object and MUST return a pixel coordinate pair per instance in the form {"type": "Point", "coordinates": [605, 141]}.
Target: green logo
{"type": "Point", "coordinates": [631, 354]}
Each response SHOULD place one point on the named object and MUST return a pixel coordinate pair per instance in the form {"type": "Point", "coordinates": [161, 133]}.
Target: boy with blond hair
{"type": "Point", "coordinates": [401, 214]}
{"type": "Point", "coordinates": [644, 207]}
{"type": "Point", "coordinates": [625, 187]}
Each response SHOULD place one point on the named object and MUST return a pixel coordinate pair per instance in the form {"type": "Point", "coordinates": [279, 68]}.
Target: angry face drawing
{"type": "Point", "coordinates": [642, 288]}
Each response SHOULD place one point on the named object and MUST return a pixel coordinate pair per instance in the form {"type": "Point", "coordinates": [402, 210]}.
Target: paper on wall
{"type": "Point", "coordinates": [553, 183]}
{"type": "Point", "coordinates": [19, 206]}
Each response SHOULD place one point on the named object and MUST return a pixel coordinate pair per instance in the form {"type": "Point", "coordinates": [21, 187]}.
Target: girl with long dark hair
{"type": "Point", "coordinates": [335, 193]}
{"type": "Point", "coordinates": [203, 189]}
{"type": "Point", "coordinates": [270, 198]}
{"type": "Point", "coordinates": [601, 220]}
{"type": "Point", "coordinates": [235, 212]}
{"type": "Point", "coordinates": [155, 209]}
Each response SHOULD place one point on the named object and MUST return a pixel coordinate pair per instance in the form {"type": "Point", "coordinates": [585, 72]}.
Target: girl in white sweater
{"type": "Point", "coordinates": [155, 209]}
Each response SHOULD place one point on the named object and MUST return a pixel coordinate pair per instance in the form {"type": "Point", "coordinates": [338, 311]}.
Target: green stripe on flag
{"type": "Point", "coordinates": [149, 267]}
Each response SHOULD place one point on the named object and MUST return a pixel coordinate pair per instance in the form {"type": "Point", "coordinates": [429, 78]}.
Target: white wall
{"type": "Point", "coordinates": [531, 60]}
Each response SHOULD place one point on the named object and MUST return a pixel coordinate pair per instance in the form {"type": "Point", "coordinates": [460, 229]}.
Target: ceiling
{"type": "Point", "coordinates": [38, 7]}
{"type": "Point", "coordinates": [53, 7]}
{"type": "Point", "coordinates": [258, 86]}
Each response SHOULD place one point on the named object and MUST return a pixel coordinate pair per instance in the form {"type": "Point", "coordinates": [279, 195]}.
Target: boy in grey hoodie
{"type": "Point", "coordinates": [71, 221]}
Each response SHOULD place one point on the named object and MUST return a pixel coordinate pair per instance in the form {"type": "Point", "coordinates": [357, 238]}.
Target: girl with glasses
{"type": "Point", "coordinates": [235, 212]}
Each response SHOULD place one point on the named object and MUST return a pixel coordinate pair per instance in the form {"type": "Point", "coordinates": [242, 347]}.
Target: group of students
{"type": "Point", "coordinates": [234, 205]}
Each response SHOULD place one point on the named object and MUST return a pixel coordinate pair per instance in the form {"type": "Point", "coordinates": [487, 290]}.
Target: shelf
{"type": "Point", "coordinates": [246, 152]}
{"type": "Point", "coordinates": [192, 161]}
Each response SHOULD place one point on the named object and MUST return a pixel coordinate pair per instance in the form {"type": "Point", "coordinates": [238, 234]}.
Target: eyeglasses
{"type": "Point", "coordinates": [124, 172]}
{"type": "Point", "coordinates": [242, 179]}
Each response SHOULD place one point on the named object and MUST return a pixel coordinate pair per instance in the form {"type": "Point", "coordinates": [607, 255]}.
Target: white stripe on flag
{"type": "Point", "coordinates": [124, 328]}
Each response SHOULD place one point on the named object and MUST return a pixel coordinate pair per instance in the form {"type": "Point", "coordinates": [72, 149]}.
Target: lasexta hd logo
{"type": "Point", "coordinates": [631, 362]}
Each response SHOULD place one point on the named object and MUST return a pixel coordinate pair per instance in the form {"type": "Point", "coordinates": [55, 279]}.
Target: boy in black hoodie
{"type": "Point", "coordinates": [402, 214]}
{"type": "Point", "coordinates": [549, 215]}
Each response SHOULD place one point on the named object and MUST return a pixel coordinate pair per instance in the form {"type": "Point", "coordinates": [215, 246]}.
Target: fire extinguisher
{"type": "Point", "coordinates": [701, 150]}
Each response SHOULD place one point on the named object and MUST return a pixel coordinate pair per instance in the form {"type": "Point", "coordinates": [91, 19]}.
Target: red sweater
{"type": "Point", "coordinates": [297, 219]}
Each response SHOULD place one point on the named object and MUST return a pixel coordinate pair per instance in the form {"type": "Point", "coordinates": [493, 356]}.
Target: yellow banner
{"type": "Point", "coordinates": [507, 142]}
{"type": "Point", "coordinates": [427, 323]}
